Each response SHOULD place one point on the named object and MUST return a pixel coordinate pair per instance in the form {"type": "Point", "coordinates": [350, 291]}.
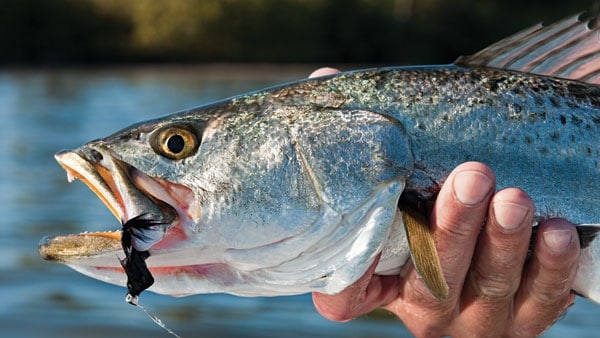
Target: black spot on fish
{"type": "Point", "coordinates": [517, 108]}
{"type": "Point", "coordinates": [544, 151]}
{"type": "Point", "coordinates": [534, 116]}
{"type": "Point", "coordinates": [494, 84]}
{"type": "Point", "coordinates": [539, 101]}
{"type": "Point", "coordinates": [515, 116]}
{"type": "Point", "coordinates": [576, 120]}
{"type": "Point", "coordinates": [563, 120]}
{"type": "Point", "coordinates": [135, 134]}
{"type": "Point", "coordinates": [571, 104]}
{"type": "Point", "coordinates": [528, 139]}
{"type": "Point", "coordinates": [555, 135]}
{"type": "Point", "coordinates": [131, 135]}
{"type": "Point", "coordinates": [555, 102]}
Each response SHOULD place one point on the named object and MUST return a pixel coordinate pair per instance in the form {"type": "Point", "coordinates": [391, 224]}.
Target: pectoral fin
{"type": "Point", "coordinates": [424, 254]}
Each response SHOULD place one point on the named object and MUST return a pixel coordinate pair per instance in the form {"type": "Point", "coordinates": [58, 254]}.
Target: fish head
{"type": "Point", "coordinates": [255, 196]}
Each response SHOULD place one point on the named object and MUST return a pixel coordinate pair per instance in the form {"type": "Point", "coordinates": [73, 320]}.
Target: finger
{"type": "Point", "coordinates": [497, 265]}
{"type": "Point", "coordinates": [323, 71]}
{"type": "Point", "coordinates": [546, 289]}
{"type": "Point", "coordinates": [457, 218]}
{"type": "Point", "coordinates": [365, 295]}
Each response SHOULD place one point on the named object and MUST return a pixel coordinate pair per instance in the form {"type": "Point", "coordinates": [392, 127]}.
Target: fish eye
{"type": "Point", "coordinates": [175, 142]}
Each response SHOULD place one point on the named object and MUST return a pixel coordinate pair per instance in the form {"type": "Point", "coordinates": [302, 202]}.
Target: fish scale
{"type": "Point", "coordinates": [510, 114]}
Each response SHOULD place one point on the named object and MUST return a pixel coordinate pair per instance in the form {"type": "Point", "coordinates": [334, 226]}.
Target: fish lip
{"type": "Point", "coordinates": [121, 187]}
{"type": "Point", "coordinates": [111, 180]}
{"type": "Point", "coordinates": [77, 167]}
{"type": "Point", "coordinates": [79, 246]}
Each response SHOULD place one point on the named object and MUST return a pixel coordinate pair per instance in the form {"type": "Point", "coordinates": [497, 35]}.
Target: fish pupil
{"type": "Point", "coordinates": [175, 144]}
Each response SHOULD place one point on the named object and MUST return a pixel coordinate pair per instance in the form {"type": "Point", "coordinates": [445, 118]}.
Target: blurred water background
{"type": "Point", "coordinates": [72, 71]}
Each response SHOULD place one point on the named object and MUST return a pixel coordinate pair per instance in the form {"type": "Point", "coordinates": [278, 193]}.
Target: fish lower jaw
{"type": "Point", "coordinates": [186, 280]}
{"type": "Point", "coordinates": [80, 247]}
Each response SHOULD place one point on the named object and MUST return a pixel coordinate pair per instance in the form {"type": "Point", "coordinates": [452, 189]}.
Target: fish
{"type": "Point", "coordinates": [300, 187]}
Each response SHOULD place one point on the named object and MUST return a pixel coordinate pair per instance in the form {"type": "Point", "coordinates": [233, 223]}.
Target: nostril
{"type": "Point", "coordinates": [95, 156]}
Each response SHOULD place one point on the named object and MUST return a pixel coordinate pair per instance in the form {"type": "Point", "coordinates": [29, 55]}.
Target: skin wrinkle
{"type": "Point", "coordinates": [492, 287]}
{"type": "Point", "coordinates": [553, 290]}
{"type": "Point", "coordinates": [500, 286]}
{"type": "Point", "coordinates": [548, 297]}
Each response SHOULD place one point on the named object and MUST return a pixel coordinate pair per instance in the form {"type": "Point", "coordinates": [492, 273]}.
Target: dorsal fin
{"type": "Point", "coordinates": [568, 49]}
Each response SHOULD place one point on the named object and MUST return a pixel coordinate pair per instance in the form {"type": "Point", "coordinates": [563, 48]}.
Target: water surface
{"type": "Point", "coordinates": [42, 112]}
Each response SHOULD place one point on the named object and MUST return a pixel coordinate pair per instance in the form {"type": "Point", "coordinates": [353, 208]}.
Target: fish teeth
{"type": "Point", "coordinates": [99, 232]}
{"type": "Point", "coordinates": [70, 177]}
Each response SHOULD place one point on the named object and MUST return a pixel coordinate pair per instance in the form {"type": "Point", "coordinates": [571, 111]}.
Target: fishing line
{"type": "Point", "coordinates": [134, 300]}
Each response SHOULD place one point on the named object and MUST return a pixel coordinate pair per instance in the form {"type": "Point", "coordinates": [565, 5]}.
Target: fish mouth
{"type": "Point", "coordinates": [128, 193]}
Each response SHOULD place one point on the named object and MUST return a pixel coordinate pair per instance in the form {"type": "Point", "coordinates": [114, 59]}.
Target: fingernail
{"type": "Point", "coordinates": [508, 215]}
{"type": "Point", "coordinates": [558, 241]}
{"type": "Point", "coordinates": [471, 187]}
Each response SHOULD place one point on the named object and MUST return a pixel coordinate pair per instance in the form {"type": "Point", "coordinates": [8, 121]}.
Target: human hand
{"type": "Point", "coordinates": [494, 290]}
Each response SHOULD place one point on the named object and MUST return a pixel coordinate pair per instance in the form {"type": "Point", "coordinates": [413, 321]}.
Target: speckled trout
{"type": "Point", "coordinates": [300, 187]}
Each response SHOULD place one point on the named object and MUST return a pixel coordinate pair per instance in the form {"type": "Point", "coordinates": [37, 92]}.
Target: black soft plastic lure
{"type": "Point", "coordinates": [139, 278]}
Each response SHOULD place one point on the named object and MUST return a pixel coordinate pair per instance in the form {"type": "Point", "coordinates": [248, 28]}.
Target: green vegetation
{"type": "Point", "coordinates": [62, 32]}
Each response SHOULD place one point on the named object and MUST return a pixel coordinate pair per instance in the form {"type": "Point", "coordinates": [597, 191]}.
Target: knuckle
{"type": "Point", "coordinates": [428, 332]}
{"type": "Point", "coordinates": [420, 294]}
{"type": "Point", "coordinates": [547, 315]}
{"type": "Point", "coordinates": [492, 286]}
{"type": "Point", "coordinates": [550, 293]}
{"type": "Point", "coordinates": [460, 227]}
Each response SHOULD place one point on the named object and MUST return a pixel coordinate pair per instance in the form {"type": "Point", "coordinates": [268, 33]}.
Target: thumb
{"type": "Point", "coordinates": [366, 294]}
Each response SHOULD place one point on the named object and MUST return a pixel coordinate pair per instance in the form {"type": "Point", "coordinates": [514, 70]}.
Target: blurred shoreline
{"type": "Point", "coordinates": [106, 32]}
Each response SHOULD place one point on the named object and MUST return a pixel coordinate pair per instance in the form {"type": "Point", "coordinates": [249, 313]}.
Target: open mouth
{"type": "Point", "coordinates": [129, 194]}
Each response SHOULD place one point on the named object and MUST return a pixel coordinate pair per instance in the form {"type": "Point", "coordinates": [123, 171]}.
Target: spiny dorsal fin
{"type": "Point", "coordinates": [568, 49]}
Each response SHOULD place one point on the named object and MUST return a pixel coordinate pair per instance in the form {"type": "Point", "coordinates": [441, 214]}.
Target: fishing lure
{"type": "Point", "coordinates": [139, 278]}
